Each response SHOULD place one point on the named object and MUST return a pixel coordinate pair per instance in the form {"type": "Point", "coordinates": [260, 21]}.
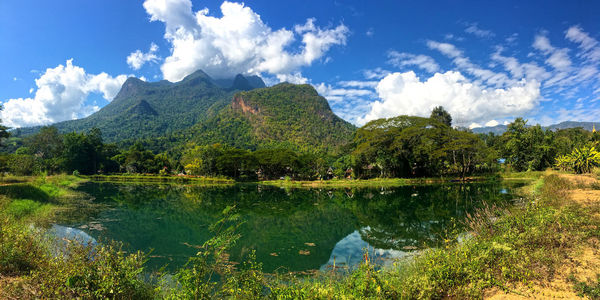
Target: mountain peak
{"type": "Point", "coordinates": [130, 87]}
{"type": "Point", "coordinates": [196, 75]}
{"type": "Point", "coordinates": [241, 83]}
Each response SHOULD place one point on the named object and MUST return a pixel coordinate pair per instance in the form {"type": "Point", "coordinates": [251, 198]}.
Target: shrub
{"type": "Point", "coordinates": [20, 252]}
{"type": "Point", "coordinates": [581, 160]}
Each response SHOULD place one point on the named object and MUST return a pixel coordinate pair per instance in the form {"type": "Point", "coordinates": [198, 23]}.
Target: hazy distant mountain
{"type": "Point", "coordinates": [500, 129]}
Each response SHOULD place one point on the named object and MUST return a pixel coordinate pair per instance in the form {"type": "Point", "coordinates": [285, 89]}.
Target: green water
{"type": "Point", "coordinates": [290, 229]}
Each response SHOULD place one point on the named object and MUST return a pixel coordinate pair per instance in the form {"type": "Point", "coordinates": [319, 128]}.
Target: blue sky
{"type": "Point", "coordinates": [486, 62]}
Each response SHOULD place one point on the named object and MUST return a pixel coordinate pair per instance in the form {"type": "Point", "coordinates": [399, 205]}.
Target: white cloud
{"type": "Point", "coordinates": [492, 123]}
{"type": "Point", "coordinates": [60, 95]}
{"type": "Point", "coordinates": [424, 62]}
{"type": "Point", "coordinates": [341, 94]}
{"type": "Point", "coordinates": [295, 78]}
{"type": "Point", "coordinates": [376, 73]}
{"type": "Point", "coordinates": [467, 102]}
{"type": "Point", "coordinates": [347, 98]}
{"type": "Point", "coordinates": [137, 59]}
{"type": "Point", "coordinates": [589, 46]}
{"type": "Point", "coordinates": [445, 48]}
{"type": "Point", "coordinates": [464, 63]}
{"type": "Point", "coordinates": [370, 32]}
{"type": "Point", "coordinates": [359, 84]}
{"type": "Point", "coordinates": [237, 42]}
{"type": "Point", "coordinates": [557, 58]}
{"type": "Point", "coordinates": [474, 29]}
{"type": "Point", "coordinates": [519, 70]}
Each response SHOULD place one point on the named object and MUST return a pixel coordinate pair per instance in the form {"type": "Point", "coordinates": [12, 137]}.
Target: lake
{"type": "Point", "coordinates": [290, 229]}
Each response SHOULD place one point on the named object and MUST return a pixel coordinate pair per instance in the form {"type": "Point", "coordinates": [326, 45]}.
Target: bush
{"type": "Point", "coordinates": [581, 160]}
{"type": "Point", "coordinates": [90, 272]}
{"type": "Point", "coordinates": [20, 252]}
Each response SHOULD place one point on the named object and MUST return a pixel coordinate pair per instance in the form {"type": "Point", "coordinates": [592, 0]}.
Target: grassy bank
{"type": "Point", "coordinates": [150, 178]}
{"type": "Point", "coordinates": [391, 182]}
{"type": "Point", "coordinates": [509, 250]}
{"type": "Point", "coordinates": [35, 265]}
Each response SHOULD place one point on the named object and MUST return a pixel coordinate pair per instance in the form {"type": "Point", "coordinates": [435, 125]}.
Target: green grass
{"type": "Point", "coordinates": [21, 208]}
{"type": "Point", "coordinates": [587, 289]}
{"type": "Point", "coordinates": [141, 178]}
{"type": "Point", "coordinates": [375, 182]}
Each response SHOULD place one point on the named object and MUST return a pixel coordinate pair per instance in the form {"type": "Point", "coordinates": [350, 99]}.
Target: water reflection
{"type": "Point", "coordinates": [290, 229]}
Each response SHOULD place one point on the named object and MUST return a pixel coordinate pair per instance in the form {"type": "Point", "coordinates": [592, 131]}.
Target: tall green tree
{"type": "Point", "coordinates": [441, 115]}
{"type": "Point", "coordinates": [3, 129]}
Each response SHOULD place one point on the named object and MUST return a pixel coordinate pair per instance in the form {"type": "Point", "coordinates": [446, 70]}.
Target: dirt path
{"type": "Point", "coordinates": [584, 263]}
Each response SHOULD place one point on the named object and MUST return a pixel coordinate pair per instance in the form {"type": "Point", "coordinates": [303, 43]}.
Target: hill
{"type": "Point", "coordinates": [500, 129]}
{"type": "Point", "coordinates": [284, 115]}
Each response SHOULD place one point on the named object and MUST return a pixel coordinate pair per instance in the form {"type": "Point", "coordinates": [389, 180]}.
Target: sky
{"type": "Point", "coordinates": [486, 62]}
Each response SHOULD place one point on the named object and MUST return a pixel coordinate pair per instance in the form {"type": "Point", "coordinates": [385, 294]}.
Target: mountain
{"type": "Point", "coordinates": [500, 129]}
{"type": "Point", "coordinates": [497, 130]}
{"type": "Point", "coordinates": [284, 115]}
{"type": "Point", "coordinates": [570, 124]}
{"type": "Point", "coordinates": [152, 109]}
{"type": "Point", "coordinates": [239, 111]}
{"type": "Point", "coordinates": [240, 82]}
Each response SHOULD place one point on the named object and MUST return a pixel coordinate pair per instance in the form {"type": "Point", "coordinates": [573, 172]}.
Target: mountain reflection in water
{"type": "Point", "coordinates": [290, 229]}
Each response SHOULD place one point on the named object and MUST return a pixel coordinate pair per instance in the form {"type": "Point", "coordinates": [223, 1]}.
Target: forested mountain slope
{"type": "Point", "coordinates": [152, 109]}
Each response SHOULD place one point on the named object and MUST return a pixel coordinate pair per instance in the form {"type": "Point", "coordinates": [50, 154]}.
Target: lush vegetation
{"type": "Point", "coordinates": [399, 147]}
{"type": "Point", "coordinates": [49, 152]}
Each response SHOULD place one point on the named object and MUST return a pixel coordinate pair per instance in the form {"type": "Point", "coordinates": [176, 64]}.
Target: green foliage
{"type": "Point", "coordinates": [139, 160]}
{"type": "Point", "coordinates": [582, 160]}
{"type": "Point", "coordinates": [587, 289]}
{"type": "Point", "coordinates": [283, 116]}
{"type": "Point", "coordinates": [92, 272]}
{"type": "Point", "coordinates": [22, 208]}
{"type": "Point", "coordinates": [23, 164]}
{"type": "Point", "coordinates": [209, 274]}
{"type": "Point", "coordinates": [407, 146]}
{"type": "Point", "coordinates": [441, 115]}
{"type": "Point", "coordinates": [533, 148]}
{"type": "Point", "coordinates": [19, 250]}
{"type": "Point", "coordinates": [4, 134]}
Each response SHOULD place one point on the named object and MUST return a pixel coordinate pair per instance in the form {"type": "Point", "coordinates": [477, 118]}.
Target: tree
{"type": "Point", "coordinates": [3, 129]}
{"type": "Point", "coordinates": [47, 146]}
{"type": "Point", "coordinates": [441, 115]}
{"type": "Point", "coordinates": [528, 147]}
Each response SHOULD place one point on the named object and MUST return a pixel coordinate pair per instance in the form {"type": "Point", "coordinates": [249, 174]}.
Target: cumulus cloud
{"type": "Point", "coordinates": [137, 59]}
{"type": "Point", "coordinates": [60, 95]}
{"type": "Point", "coordinates": [467, 102]}
{"type": "Point", "coordinates": [401, 59]}
{"type": "Point", "coordinates": [237, 42]}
